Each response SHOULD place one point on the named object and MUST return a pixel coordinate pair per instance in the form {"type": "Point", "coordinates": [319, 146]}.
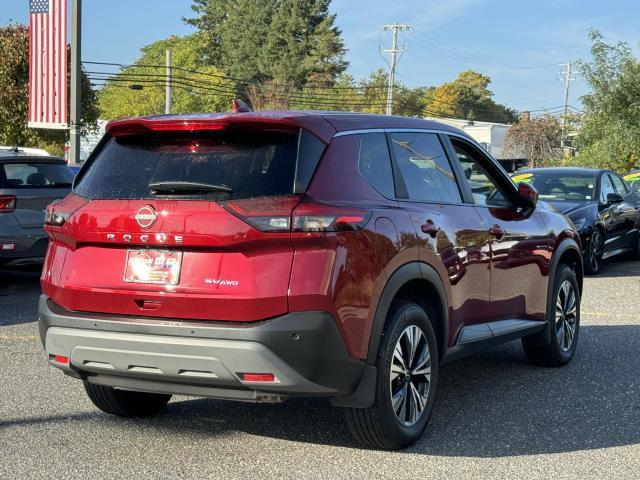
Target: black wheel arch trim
{"type": "Point", "coordinates": [564, 245]}
{"type": "Point", "coordinates": [403, 275]}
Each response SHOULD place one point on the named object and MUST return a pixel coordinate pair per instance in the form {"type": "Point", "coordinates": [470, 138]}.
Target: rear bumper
{"type": "Point", "coordinates": [304, 351]}
{"type": "Point", "coordinates": [30, 248]}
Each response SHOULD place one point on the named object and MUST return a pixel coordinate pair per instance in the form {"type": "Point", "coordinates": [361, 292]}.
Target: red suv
{"type": "Point", "coordinates": [260, 256]}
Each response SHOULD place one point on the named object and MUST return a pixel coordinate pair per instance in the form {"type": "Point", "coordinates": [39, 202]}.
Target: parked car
{"type": "Point", "coordinates": [258, 256]}
{"type": "Point", "coordinates": [74, 168]}
{"type": "Point", "coordinates": [600, 204]}
{"type": "Point", "coordinates": [27, 185]}
{"type": "Point", "coordinates": [633, 181]}
{"type": "Point", "coordinates": [38, 152]}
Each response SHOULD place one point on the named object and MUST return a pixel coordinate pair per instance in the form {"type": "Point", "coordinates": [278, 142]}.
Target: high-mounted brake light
{"type": "Point", "coordinates": [124, 128]}
{"type": "Point", "coordinates": [7, 203]}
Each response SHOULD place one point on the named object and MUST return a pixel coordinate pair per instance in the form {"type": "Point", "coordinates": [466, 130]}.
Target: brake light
{"type": "Point", "coordinates": [291, 213]}
{"type": "Point", "coordinates": [7, 203]}
{"type": "Point", "coordinates": [268, 214]}
{"type": "Point", "coordinates": [58, 212]}
{"type": "Point", "coordinates": [318, 217]}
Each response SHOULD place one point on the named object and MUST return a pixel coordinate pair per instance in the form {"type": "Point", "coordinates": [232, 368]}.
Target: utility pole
{"type": "Point", "coordinates": [567, 79]}
{"type": "Point", "coordinates": [394, 50]}
{"type": "Point", "coordinates": [76, 90]}
{"type": "Point", "coordinates": [169, 89]}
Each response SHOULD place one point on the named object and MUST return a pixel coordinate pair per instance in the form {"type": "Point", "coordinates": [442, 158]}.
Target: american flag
{"type": "Point", "coordinates": [48, 63]}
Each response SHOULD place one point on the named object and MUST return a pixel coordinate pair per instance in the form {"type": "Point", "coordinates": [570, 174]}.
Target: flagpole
{"type": "Point", "coordinates": [76, 91]}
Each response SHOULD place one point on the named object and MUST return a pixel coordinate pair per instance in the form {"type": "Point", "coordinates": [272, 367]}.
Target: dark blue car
{"type": "Point", "coordinates": [600, 204]}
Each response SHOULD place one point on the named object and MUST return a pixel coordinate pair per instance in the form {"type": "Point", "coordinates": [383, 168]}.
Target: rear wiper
{"type": "Point", "coordinates": [178, 187]}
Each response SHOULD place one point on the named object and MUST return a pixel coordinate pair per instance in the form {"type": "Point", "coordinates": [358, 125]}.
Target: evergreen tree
{"type": "Point", "coordinates": [286, 42]}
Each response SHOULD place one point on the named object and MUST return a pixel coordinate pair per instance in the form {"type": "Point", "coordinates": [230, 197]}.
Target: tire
{"type": "Point", "coordinates": [564, 323]}
{"type": "Point", "coordinates": [593, 255]}
{"type": "Point", "coordinates": [124, 403]}
{"type": "Point", "coordinates": [380, 426]}
{"type": "Point", "coordinates": [635, 252]}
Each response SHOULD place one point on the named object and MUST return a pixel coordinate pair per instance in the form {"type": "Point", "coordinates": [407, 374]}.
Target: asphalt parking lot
{"type": "Point", "coordinates": [495, 415]}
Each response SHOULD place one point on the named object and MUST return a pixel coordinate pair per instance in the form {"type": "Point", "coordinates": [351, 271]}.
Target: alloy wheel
{"type": "Point", "coordinates": [410, 376]}
{"type": "Point", "coordinates": [566, 315]}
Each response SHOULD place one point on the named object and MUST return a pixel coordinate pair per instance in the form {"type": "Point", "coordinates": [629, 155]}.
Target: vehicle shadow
{"type": "Point", "coordinates": [19, 287]}
{"type": "Point", "coordinates": [620, 266]}
{"type": "Point", "coordinates": [490, 405]}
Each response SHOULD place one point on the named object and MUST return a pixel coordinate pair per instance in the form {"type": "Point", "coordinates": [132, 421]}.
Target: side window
{"type": "Point", "coordinates": [619, 185]}
{"type": "Point", "coordinates": [606, 188]}
{"type": "Point", "coordinates": [485, 190]}
{"type": "Point", "coordinates": [374, 162]}
{"type": "Point", "coordinates": [424, 166]}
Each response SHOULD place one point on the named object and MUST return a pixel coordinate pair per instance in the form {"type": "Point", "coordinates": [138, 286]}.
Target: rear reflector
{"type": "Point", "coordinates": [258, 377]}
{"type": "Point", "coordinates": [61, 359]}
{"type": "Point", "coordinates": [7, 246]}
{"type": "Point", "coordinates": [7, 203]}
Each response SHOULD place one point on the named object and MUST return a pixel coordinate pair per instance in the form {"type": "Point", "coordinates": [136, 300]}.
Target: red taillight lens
{"type": "Point", "coordinates": [60, 359]}
{"type": "Point", "coordinates": [287, 213]}
{"type": "Point", "coordinates": [319, 217]}
{"type": "Point", "coordinates": [258, 377]}
{"type": "Point", "coordinates": [57, 213]}
{"type": "Point", "coordinates": [268, 214]}
{"type": "Point", "coordinates": [7, 203]}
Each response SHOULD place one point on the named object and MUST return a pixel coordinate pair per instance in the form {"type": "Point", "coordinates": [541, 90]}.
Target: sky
{"type": "Point", "coordinates": [519, 44]}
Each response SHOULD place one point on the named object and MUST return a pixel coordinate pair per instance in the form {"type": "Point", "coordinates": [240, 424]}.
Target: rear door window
{"type": "Point", "coordinates": [619, 185]}
{"type": "Point", "coordinates": [245, 164]}
{"type": "Point", "coordinates": [374, 162]}
{"type": "Point", "coordinates": [35, 175]}
{"type": "Point", "coordinates": [424, 166]}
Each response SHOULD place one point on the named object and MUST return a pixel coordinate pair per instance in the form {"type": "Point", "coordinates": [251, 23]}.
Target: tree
{"type": "Point", "coordinates": [14, 96]}
{"type": "Point", "coordinates": [205, 91]}
{"type": "Point", "coordinates": [537, 139]}
{"type": "Point", "coordinates": [286, 42]}
{"type": "Point", "coordinates": [469, 97]}
{"type": "Point", "coordinates": [610, 133]}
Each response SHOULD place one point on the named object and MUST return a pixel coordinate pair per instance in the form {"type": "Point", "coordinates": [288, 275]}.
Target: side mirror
{"type": "Point", "coordinates": [614, 198]}
{"type": "Point", "coordinates": [528, 195]}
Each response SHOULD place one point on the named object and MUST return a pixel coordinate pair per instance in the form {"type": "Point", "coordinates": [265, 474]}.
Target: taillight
{"type": "Point", "coordinates": [311, 216]}
{"type": "Point", "coordinates": [58, 212]}
{"type": "Point", "coordinates": [268, 214]}
{"type": "Point", "coordinates": [7, 203]}
{"type": "Point", "coordinates": [291, 213]}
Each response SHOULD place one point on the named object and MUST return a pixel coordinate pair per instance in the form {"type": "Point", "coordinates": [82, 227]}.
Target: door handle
{"type": "Point", "coordinates": [430, 228]}
{"type": "Point", "coordinates": [497, 231]}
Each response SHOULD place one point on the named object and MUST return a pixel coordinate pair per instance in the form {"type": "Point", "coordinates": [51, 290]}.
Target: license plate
{"type": "Point", "coordinates": [153, 266]}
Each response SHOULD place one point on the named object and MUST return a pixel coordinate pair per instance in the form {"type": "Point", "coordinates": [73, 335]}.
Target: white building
{"type": "Point", "coordinates": [490, 135]}
{"type": "Point", "coordinates": [89, 142]}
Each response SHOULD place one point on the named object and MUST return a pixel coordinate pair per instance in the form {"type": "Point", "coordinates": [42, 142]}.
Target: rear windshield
{"type": "Point", "coordinates": [245, 164]}
{"type": "Point", "coordinates": [35, 175]}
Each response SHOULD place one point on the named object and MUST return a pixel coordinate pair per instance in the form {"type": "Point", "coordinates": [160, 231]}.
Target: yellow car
{"type": "Point", "coordinates": [633, 180]}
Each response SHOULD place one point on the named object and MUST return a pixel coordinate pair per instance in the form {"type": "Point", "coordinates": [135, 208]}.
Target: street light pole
{"type": "Point", "coordinates": [76, 89]}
